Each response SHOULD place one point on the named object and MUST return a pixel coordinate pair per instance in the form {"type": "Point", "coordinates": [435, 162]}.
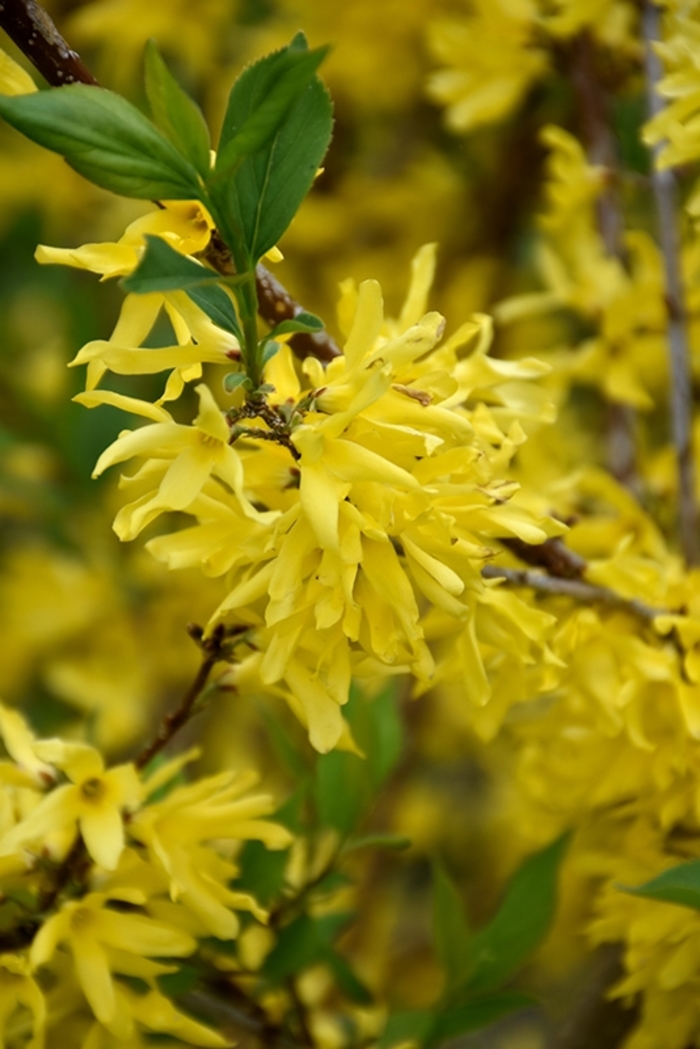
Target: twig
{"type": "Point", "coordinates": [31, 29]}
{"type": "Point", "coordinates": [552, 555]}
{"type": "Point", "coordinates": [664, 183]}
{"type": "Point", "coordinates": [29, 26]}
{"type": "Point", "coordinates": [587, 593]}
{"type": "Point", "coordinates": [173, 722]}
{"type": "Point", "coordinates": [601, 150]}
{"type": "Point", "coordinates": [597, 1020]}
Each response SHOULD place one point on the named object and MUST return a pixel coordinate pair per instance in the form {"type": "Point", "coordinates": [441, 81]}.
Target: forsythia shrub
{"type": "Point", "coordinates": [439, 573]}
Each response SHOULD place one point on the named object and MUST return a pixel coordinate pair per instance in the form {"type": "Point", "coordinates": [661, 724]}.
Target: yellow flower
{"type": "Point", "coordinates": [13, 79]}
{"type": "Point", "coordinates": [21, 746]}
{"type": "Point", "coordinates": [176, 833]}
{"type": "Point", "coordinates": [186, 227]}
{"type": "Point", "coordinates": [19, 989]}
{"type": "Point", "coordinates": [93, 802]}
{"type": "Point", "coordinates": [491, 61]}
{"type": "Point", "coordinates": [103, 941]}
{"type": "Point", "coordinates": [192, 454]}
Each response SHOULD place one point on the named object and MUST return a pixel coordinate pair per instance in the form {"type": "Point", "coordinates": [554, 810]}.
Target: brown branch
{"type": "Point", "coordinates": [552, 555]}
{"type": "Point", "coordinates": [601, 150]}
{"type": "Point", "coordinates": [681, 394]}
{"type": "Point", "coordinates": [174, 721]}
{"type": "Point", "coordinates": [587, 593]}
{"type": "Point", "coordinates": [30, 28]}
{"type": "Point", "coordinates": [596, 1020]}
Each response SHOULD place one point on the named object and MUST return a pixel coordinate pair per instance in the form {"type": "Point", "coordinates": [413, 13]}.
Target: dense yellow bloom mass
{"type": "Point", "coordinates": [621, 295]}
{"type": "Point", "coordinates": [160, 881]}
{"type": "Point", "coordinates": [334, 527]}
{"type": "Point", "coordinates": [386, 498]}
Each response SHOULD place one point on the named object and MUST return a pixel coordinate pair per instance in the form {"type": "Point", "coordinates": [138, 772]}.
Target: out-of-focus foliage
{"type": "Point", "coordinates": [439, 750]}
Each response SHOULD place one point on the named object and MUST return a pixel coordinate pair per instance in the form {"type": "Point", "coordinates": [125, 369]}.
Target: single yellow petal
{"type": "Point", "coordinates": [92, 970]}
{"type": "Point", "coordinates": [103, 833]}
{"type": "Point", "coordinates": [13, 79]}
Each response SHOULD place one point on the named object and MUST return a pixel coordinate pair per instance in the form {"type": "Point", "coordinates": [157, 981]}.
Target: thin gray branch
{"type": "Point", "coordinates": [664, 184]}
{"type": "Point", "coordinates": [601, 149]}
{"type": "Point", "coordinates": [586, 593]}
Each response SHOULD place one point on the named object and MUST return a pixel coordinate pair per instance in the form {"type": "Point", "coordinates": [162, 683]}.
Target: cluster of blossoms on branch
{"type": "Point", "coordinates": [363, 515]}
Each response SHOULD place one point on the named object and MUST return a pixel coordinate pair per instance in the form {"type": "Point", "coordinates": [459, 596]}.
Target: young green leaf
{"type": "Point", "coordinates": [256, 202]}
{"type": "Point", "coordinates": [235, 379]}
{"type": "Point", "coordinates": [175, 113]}
{"type": "Point", "coordinates": [304, 942]}
{"type": "Point", "coordinates": [474, 1015]}
{"type": "Point", "coordinates": [298, 947]}
{"type": "Point", "coordinates": [342, 791]}
{"type": "Point", "coordinates": [302, 322]}
{"type": "Point", "coordinates": [105, 139]}
{"type": "Point", "coordinates": [262, 871]}
{"type": "Point", "coordinates": [217, 306]}
{"type": "Point", "coordinates": [450, 929]}
{"type": "Point", "coordinates": [679, 885]}
{"type": "Point", "coordinates": [164, 269]}
{"type": "Point", "coordinates": [414, 1026]}
{"type": "Point", "coordinates": [351, 986]}
{"type": "Point", "coordinates": [270, 349]}
{"type": "Point", "coordinates": [395, 842]}
{"type": "Point", "coordinates": [260, 100]}
{"type": "Point", "coordinates": [520, 923]}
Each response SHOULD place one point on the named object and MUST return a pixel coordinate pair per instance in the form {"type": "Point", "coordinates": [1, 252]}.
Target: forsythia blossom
{"type": "Point", "coordinates": [384, 498]}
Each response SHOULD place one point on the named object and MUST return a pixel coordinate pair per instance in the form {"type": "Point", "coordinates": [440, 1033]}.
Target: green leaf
{"type": "Point", "coordinates": [218, 307]}
{"type": "Point", "coordinates": [284, 745]}
{"type": "Point", "coordinates": [383, 739]}
{"type": "Point", "coordinates": [351, 986]}
{"type": "Point", "coordinates": [341, 791]}
{"type": "Point", "coordinates": [106, 139]}
{"type": "Point", "coordinates": [345, 784]}
{"type": "Point", "coordinates": [291, 814]}
{"type": "Point", "coordinates": [521, 922]}
{"type": "Point", "coordinates": [175, 113]}
{"type": "Point", "coordinates": [302, 943]}
{"type": "Point", "coordinates": [262, 872]}
{"type": "Point", "coordinates": [255, 204]}
{"type": "Point", "coordinates": [269, 350]}
{"type": "Point", "coordinates": [451, 933]}
{"type": "Point", "coordinates": [180, 982]}
{"type": "Point", "coordinates": [302, 322]}
{"type": "Point", "coordinates": [477, 1014]}
{"type": "Point", "coordinates": [378, 841]}
{"type": "Point", "coordinates": [235, 379]}
{"type": "Point", "coordinates": [679, 885]}
{"type": "Point", "coordinates": [402, 1027]}
{"type": "Point", "coordinates": [164, 269]}
{"type": "Point", "coordinates": [261, 98]}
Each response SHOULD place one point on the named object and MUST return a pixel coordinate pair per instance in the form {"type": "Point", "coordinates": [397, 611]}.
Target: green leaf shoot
{"type": "Point", "coordinates": [303, 321]}
{"type": "Point", "coordinates": [256, 192]}
{"type": "Point", "coordinates": [680, 885]}
{"type": "Point", "coordinates": [451, 933]}
{"type": "Point", "coordinates": [164, 269]}
{"type": "Point", "coordinates": [520, 923]}
{"type": "Point", "coordinates": [105, 139]}
{"type": "Point", "coordinates": [260, 100]}
{"type": "Point", "coordinates": [472, 1016]}
{"type": "Point", "coordinates": [174, 113]}
{"type": "Point", "coordinates": [395, 842]}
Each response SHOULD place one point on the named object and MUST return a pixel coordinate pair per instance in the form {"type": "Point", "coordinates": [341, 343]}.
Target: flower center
{"type": "Point", "coordinates": [81, 918]}
{"type": "Point", "coordinates": [93, 789]}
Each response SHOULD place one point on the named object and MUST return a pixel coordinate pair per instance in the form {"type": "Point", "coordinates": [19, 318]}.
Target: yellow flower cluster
{"type": "Point", "coordinates": [129, 879]}
{"type": "Point", "coordinates": [621, 299]}
{"type": "Point", "coordinates": [499, 49]}
{"type": "Point", "coordinates": [381, 498]}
